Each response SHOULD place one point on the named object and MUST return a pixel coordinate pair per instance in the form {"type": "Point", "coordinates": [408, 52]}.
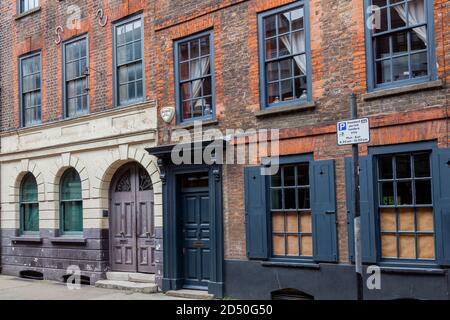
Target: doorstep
{"type": "Point", "coordinates": [190, 294]}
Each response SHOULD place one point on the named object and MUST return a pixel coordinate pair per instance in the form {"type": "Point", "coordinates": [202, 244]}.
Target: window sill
{"type": "Point", "coordinates": [26, 239]}
{"type": "Point", "coordinates": [299, 265]}
{"type": "Point", "coordinates": [27, 13]}
{"type": "Point", "coordinates": [405, 270]}
{"type": "Point", "coordinates": [401, 90]}
{"type": "Point", "coordinates": [191, 124]}
{"type": "Point", "coordinates": [279, 110]}
{"type": "Point", "coordinates": [75, 240]}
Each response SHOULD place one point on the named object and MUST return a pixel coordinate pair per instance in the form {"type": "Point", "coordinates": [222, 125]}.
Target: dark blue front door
{"type": "Point", "coordinates": [196, 237]}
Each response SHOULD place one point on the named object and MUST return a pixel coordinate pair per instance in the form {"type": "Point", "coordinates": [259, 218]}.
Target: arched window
{"type": "Point", "coordinates": [29, 205]}
{"type": "Point", "coordinates": [71, 202]}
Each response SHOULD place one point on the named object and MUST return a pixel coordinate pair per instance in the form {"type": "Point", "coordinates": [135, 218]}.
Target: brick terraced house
{"type": "Point", "coordinates": [91, 116]}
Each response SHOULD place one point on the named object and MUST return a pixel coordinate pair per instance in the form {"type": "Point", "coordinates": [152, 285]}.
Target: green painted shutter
{"type": "Point", "coordinates": [323, 207]}
{"type": "Point", "coordinates": [441, 174]}
{"type": "Point", "coordinates": [256, 213]}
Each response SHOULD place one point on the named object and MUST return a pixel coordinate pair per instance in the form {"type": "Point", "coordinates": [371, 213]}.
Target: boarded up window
{"type": "Point", "coordinates": [405, 207]}
{"type": "Point", "coordinates": [291, 212]}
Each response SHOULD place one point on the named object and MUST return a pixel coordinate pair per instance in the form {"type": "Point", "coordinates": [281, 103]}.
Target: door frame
{"type": "Point", "coordinates": [116, 176]}
{"type": "Point", "coordinates": [173, 278]}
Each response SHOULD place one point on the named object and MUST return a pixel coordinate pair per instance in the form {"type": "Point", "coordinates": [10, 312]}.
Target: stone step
{"type": "Point", "coordinates": [190, 294]}
{"type": "Point", "coordinates": [130, 276]}
{"type": "Point", "coordinates": [127, 285]}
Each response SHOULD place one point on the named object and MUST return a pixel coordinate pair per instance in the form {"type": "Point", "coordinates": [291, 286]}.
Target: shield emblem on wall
{"type": "Point", "coordinates": [167, 114]}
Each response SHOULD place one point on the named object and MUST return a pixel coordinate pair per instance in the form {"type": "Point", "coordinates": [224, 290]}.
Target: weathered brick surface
{"type": "Point", "coordinates": [338, 67]}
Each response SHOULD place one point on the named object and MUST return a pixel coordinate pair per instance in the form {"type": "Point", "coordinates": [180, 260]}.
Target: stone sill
{"type": "Point", "coordinates": [191, 125]}
{"type": "Point", "coordinates": [419, 271]}
{"type": "Point", "coordinates": [299, 265]}
{"type": "Point", "coordinates": [401, 90]}
{"type": "Point", "coordinates": [280, 110]}
{"type": "Point", "coordinates": [26, 239]}
{"type": "Point", "coordinates": [68, 240]}
{"type": "Point", "coordinates": [27, 13]}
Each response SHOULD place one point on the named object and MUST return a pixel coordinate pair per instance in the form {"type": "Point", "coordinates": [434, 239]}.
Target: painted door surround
{"type": "Point", "coordinates": [132, 235]}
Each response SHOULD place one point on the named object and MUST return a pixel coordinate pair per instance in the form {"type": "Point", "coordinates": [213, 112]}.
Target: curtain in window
{"type": "Point", "coordinates": [199, 68]}
{"type": "Point", "coordinates": [416, 10]}
{"type": "Point", "coordinates": [298, 46]}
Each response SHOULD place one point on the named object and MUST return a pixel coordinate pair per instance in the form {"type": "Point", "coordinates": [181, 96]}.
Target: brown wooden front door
{"type": "Point", "coordinates": [132, 237]}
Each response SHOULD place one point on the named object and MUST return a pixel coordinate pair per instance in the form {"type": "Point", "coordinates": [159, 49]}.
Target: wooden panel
{"type": "Point", "coordinates": [278, 222]}
{"type": "Point", "coordinates": [425, 246]}
{"type": "Point", "coordinates": [306, 246]}
{"type": "Point", "coordinates": [292, 222]}
{"type": "Point", "coordinates": [425, 221]}
{"type": "Point", "coordinates": [406, 219]}
{"type": "Point", "coordinates": [305, 223]}
{"type": "Point", "coordinates": [407, 247]}
{"type": "Point", "coordinates": [292, 245]}
{"type": "Point", "coordinates": [388, 220]}
{"type": "Point", "coordinates": [278, 245]}
{"type": "Point", "coordinates": [389, 246]}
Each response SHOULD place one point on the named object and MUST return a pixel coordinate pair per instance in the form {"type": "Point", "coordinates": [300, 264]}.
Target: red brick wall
{"type": "Point", "coordinates": [339, 68]}
{"type": "Point", "coordinates": [37, 32]}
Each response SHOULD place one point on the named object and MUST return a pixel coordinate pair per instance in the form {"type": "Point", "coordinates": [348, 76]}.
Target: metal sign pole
{"type": "Point", "coordinates": [356, 206]}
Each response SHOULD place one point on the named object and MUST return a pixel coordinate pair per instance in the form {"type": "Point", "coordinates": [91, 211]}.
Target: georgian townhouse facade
{"type": "Point", "coordinates": [95, 96]}
{"type": "Point", "coordinates": [292, 65]}
{"type": "Point", "coordinates": [78, 191]}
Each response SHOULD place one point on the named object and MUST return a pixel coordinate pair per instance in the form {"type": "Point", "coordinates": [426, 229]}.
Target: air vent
{"type": "Point", "coordinates": [290, 294]}
{"type": "Point", "coordinates": [85, 280]}
{"type": "Point", "coordinates": [31, 274]}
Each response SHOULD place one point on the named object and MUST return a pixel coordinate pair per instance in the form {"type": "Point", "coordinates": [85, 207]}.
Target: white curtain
{"type": "Point", "coordinates": [199, 68]}
{"type": "Point", "coordinates": [298, 43]}
{"type": "Point", "coordinates": [416, 11]}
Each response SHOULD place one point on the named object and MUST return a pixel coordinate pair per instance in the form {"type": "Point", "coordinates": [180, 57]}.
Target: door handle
{"type": "Point", "coordinates": [330, 212]}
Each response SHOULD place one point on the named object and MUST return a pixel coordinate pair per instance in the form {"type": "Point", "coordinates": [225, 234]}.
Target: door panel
{"type": "Point", "coordinates": [196, 238]}
{"type": "Point", "coordinates": [131, 221]}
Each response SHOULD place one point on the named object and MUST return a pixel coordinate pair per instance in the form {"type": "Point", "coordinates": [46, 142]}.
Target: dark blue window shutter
{"type": "Point", "coordinates": [256, 213]}
{"type": "Point", "coordinates": [368, 231]}
{"type": "Point", "coordinates": [350, 214]}
{"type": "Point", "coordinates": [441, 173]}
{"type": "Point", "coordinates": [323, 206]}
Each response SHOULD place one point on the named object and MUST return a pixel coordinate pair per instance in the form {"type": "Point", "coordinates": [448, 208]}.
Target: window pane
{"type": "Point", "coordinates": [301, 87]}
{"type": "Point", "coordinates": [399, 43]}
{"type": "Point", "coordinates": [287, 90]}
{"type": "Point", "coordinates": [297, 19]}
{"type": "Point", "coordinates": [73, 216]}
{"type": "Point", "coordinates": [385, 168]}
{"type": "Point", "coordinates": [271, 48]}
{"type": "Point", "coordinates": [404, 193]}
{"type": "Point", "coordinates": [270, 26]}
{"type": "Point", "coordinates": [207, 89]}
{"type": "Point", "coordinates": [303, 175]}
{"type": "Point", "coordinates": [416, 12]}
{"type": "Point", "coordinates": [382, 47]}
{"type": "Point", "coordinates": [284, 45]}
{"type": "Point", "coordinates": [272, 71]}
{"type": "Point", "coordinates": [398, 16]}
{"type": "Point", "coordinates": [422, 165]}
{"type": "Point", "coordinates": [184, 51]}
{"type": "Point", "coordinates": [289, 176]}
{"type": "Point", "coordinates": [273, 93]}
{"type": "Point", "coordinates": [303, 198]}
{"type": "Point", "coordinates": [283, 23]}
{"type": "Point", "coordinates": [418, 39]}
{"type": "Point", "coordinates": [286, 68]}
{"type": "Point", "coordinates": [289, 199]}
{"type": "Point", "coordinates": [194, 49]}
{"type": "Point", "coordinates": [400, 68]}
{"type": "Point", "coordinates": [71, 185]}
{"type": "Point", "coordinates": [204, 46]}
{"type": "Point", "coordinates": [137, 50]}
{"type": "Point", "coordinates": [387, 194]}
{"type": "Point", "coordinates": [275, 199]}
{"type": "Point", "coordinates": [383, 71]}
{"type": "Point", "coordinates": [29, 189]}
{"type": "Point", "coordinates": [276, 180]}
{"type": "Point", "coordinates": [30, 217]}
{"type": "Point", "coordinates": [403, 164]}
{"type": "Point", "coordinates": [388, 220]}
{"type": "Point", "coordinates": [406, 219]}
{"type": "Point", "coordinates": [186, 110]}
{"type": "Point", "coordinates": [419, 64]}
{"type": "Point", "coordinates": [139, 89]}
{"type": "Point", "coordinates": [423, 192]}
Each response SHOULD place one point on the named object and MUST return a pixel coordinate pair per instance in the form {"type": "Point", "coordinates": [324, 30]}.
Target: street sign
{"type": "Point", "coordinates": [353, 131]}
